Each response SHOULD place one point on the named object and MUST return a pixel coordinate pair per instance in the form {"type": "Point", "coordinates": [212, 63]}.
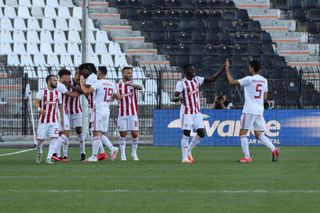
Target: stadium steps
{"type": "Point", "coordinates": [132, 42]}
{"type": "Point", "coordinates": [292, 45]}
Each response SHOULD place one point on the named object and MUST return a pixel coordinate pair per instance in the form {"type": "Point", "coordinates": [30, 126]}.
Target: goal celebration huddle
{"type": "Point", "coordinates": [60, 110]}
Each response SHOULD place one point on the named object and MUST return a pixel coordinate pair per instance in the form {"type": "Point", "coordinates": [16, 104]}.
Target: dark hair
{"type": "Point", "coordinates": [126, 68]}
{"type": "Point", "coordinates": [88, 66]}
{"type": "Point", "coordinates": [63, 72]}
{"type": "Point", "coordinates": [186, 66]}
{"type": "Point", "coordinates": [255, 64]}
{"type": "Point", "coordinates": [49, 77]}
{"type": "Point", "coordinates": [103, 70]}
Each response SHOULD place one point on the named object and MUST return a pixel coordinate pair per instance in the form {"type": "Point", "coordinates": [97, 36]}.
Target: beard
{"type": "Point", "coordinates": [53, 86]}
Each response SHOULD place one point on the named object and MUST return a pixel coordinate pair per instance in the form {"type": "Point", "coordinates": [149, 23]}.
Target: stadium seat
{"type": "Point", "coordinates": [77, 60]}
{"type": "Point", "coordinates": [19, 24]}
{"type": "Point", "coordinates": [32, 48]}
{"type": "Point", "coordinates": [26, 60]}
{"type": "Point", "coordinates": [77, 12]}
{"type": "Point", "coordinates": [61, 24]}
{"type": "Point", "coordinates": [201, 14]}
{"type": "Point", "coordinates": [23, 12]}
{"type": "Point", "coordinates": [37, 12]}
{"type": "Point", "coordinates": [10, 12]}
{"type": "Point", "coordinates": [310, 4]}
{"type": "Point", "coordinates": [47, 24]}
{"type": "Point", "coordinates": [52, 3]}
{"type": "Point", "coordinates": [19, 48]}
{"type": "Point", "coordinates": [65, 60]}
{"type": "Point", "coordinates": [114, 48]}
{"type": "Point", "coordinates": [18, 36]}
{"type": "Point", "coordinates": [11, 3]}
{"type": "Point", "coordinates": [6, 36]}
{"type": "Point", "coordinates": [32, 36]}
{"type": "Point", "coordinates": [60, 48]}
{"type": "Point", "coordinates": [39, 60]}
{"type": "Point", "coordinates": [120, 61]}
{"type": "Point", "coordinates": [38, 3]}
{"type": "Point", "coordinates": [94, 59]}
{"type": "Point", "coordinates": [149, 98]}
{"type": "Point", "coordinates": [299, 15]}
{"type": "Point", "coordinates": [5, 48]}
{"type": "Point", "coordinates": [148, 4]}
{"type": "Point", "coordinates": [33, 24]}
{"type": "Point", "coordinates": [50, 12]}
{"type": "Point", "coordinates": [52, 60]}
{"type": "Point", "coordinates": [314, 15]}
{"type": "Point", "coordinates": [102, 37]}
{"type": "Point", "coordinates": [73, 48]}
{"type": "Point", "coordinates": [101, 48]}
{"type": "Point", "coordinates": [74, 24]}
{"type": "Point", "coordinates": [165, 98]}
{"type": "Point", "coordinates": [59, 36]}
{"type": "Point", "coordinates": [106, 60]}
{"type": "Point", "coordinates": [13, 60]}
{"type": "Point", "coordinates": [73, 36]}
{"type": "Point", "coordinates": [46, 36]}
{"type": "Point", "coordinates": [6, 24]}
{"type": "Point", "coordinates": [30, 72]}
{"type": "Point", "coordinates": [295, 4]}
{"type": "Point", "coordinates": [63, 12]}
{"type": "Point", "coordinates": [66, 3]}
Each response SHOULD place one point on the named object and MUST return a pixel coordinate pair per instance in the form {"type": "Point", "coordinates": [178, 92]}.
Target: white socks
{"type": "Point", "coordinates": [105, 141]}
{"type": "Point", "coordinates": [184, 147]}
{"type": "Point", "coordinates": [96, 146]}
{"type": "Point", "coordinates": [194, 142]}
{"type": "Point", "coordinates": [82, 143]}
{"type": "Point", "coordinates": [65, 145]}
{"type": "Point", "coordinates": [122, 142]}
{"type": "Point", "coordinates": [52, 147]}
{"type": "Point", "coordinates": [245, 146]}
{"type": "Point", "coordinates": [135, 142]}
{"type": "Point", "coordinates": [39, 146]}
{"type": "Point", "coordinates": [265, 140]}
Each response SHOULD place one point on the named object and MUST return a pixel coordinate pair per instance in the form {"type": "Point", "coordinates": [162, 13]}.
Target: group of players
{"type": "Point", "coordinates": [60, 109]}
{"type": "Point", "coordinates": [63, 96]}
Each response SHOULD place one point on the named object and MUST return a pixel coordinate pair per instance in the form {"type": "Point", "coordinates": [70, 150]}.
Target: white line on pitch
{"type": "Point", "coordinates": [15, 153]}
{"type": "Point", "coordinates": [258, 191]}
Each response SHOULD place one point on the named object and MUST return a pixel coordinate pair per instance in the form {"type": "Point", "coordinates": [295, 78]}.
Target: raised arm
{"type": "Point", "coordinates": [214, 77]}
{"type": "Point", "coordinates": [134, 85]}
{"type": "Point", "coordinates": [231, 80]}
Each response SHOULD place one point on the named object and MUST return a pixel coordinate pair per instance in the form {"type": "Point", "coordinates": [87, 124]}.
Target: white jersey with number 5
{"type": "Point", "coordinates": [104, 90]}
{"type": "Point", "coordinates": [254, 88]}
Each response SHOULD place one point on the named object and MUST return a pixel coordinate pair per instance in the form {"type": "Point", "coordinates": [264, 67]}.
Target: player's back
{"type": "Point", "coordinates": [104, 90]}
{"type": "Point", "coordinates": [254, 89]}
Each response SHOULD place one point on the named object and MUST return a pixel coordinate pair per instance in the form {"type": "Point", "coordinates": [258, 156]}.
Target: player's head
{"type": "Point", "coordinates": [254, 66]}
{"type": "Point", "coordinates": [76, 78]}
{"type": "Point", "coordinates": [52, 81]}
{"type": "Point", "coordinates": [64, 75]}
{"type": "Point", "coordinates": [85, 70]}
{"type": "Point", "coordinates": [127, 73]}
{"type": "Point", "coordinates": [189, 71]}
{"type": "Point", "coordinates": [92, 68]}
{"type": "Point", "coordinates": [102, 72]}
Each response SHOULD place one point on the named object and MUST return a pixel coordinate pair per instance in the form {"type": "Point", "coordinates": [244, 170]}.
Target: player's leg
{"type": "Point", "coordinates": [76, 122]}
{"type": "Point", "coordinates": [259, 127]}
{"type": "Point", "coordinates": [186, 125]}
{"type": "Point", "coordinates": [246, 122]}
{"type": "Point", "coordinates": [65, 144]}
{"type": "Point", "coordinates": [42, 132]}
{"type": "Point", "coordinates": [199, 126]}
{"type": "Point", "coordinates": [122, 126]}
{"type": "Point", "coordinates": [105, 140]}
{"type": "Point", "coordinates": [134, 127]}
{"type": "Point", "coordinates": [53, 134]}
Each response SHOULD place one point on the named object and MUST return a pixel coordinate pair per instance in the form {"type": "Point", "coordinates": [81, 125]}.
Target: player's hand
{"type": "Point", "coordinates": [82, 80]}
{"type": "Point", "coordinates": [42, 112]}
{"type": "Point", "coordinates": [128, 83]}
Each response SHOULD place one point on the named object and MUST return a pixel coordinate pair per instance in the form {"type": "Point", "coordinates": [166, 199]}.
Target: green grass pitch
{"type": "Point", "coordinates": [160, 183]}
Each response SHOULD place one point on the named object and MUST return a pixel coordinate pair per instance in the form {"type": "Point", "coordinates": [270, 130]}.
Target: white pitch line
{"type": "Point", "coordinates": [15, 153]}
{"type": "Point", "coordinates": [258, 191]}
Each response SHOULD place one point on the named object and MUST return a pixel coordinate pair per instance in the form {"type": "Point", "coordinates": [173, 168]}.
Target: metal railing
{"type": "Point", "coordinates": [300, 91]}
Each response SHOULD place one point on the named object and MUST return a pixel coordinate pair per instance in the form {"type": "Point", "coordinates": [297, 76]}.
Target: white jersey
{"type": "Point", "coordinates": [254, 88]}
{"type": "Point", "coordinates": [91, 79]}
{"type": "Point", "coordinates": [104, 90]}
{"type": "Point", "coordinates": [62, 88]}
{"type": "Point", "coordinates": [191, 94]}
{"type": "Point", "coordinates": [49, 101]}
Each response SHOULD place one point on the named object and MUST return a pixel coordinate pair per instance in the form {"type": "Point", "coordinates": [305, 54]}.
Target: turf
{"type": "Point", "coordinates": [160, 183]}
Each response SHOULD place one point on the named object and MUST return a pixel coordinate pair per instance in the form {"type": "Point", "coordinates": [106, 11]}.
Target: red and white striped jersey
{"type": "Point", "coordinates": [190, 90]}
{"type": "Point", "coordinates": [91, 79]}
{"type": "Point", "coordinates": [128, 103]}
{"type": "Point", "coordinates": [49, 100]}
{"type": "Point", "coordinates": [71, 105]}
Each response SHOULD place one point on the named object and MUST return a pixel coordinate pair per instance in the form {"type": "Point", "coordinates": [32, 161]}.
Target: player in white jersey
{"type": "Point", "coordinates": [104, 92]}
{"type": "Point", "coordinates": [191, 118]}
{"type": "Point", "coordinates": [255, 93]}
{"type": "Point", "coordinates": [128, 113]}
{"type": "Point", "coordinates": [48, 102]}
{"type": "Point", "coordinates": [67, 95]}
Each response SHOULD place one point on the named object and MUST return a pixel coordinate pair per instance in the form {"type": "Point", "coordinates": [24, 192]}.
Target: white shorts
{"type": "Point", "coordinates": [100, 121]}
{"type": "Point", "coordinates": [50, 130]}
{"type": "Point", "coordinates": [75, 120]}
{"type": "Point", "coordinates": [66, 123]}
{"type": "Point", "coordinates": [191, 122]}
{"type": "Point", "coordinates": [128, 123]}
{"type": "Point", "coordinates": [252, 122]}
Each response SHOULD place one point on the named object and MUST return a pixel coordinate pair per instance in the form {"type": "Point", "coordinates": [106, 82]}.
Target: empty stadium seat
{"type": "Point", "coordinates": [61, 24]}
{"type": "Point", "coordinates": [19, 48]}
{"type": "Point", "coordinates": [6, 24]}
{"type": "Point", "coordinates": [66, 3]}
{"type": "Point", "coordinates": [32, 36]}
{"type": "Point", "coordinates": [73, 36]}
{"type": "Point", "coordinates": [52, 60]}
{"type": "Point", "coordinates": [39, 60]}
{"type": "Point", "coordinates": [50, 12]}
{"type": "Point", "coordinates": [114, 48]}
{"type": "Point", "coordinates": [74, 24]}
{"type": "Point", "coordinates": [32, 48]}
{"type": "Point", "coordinates": [19, 24]}
{"type": "Point", "coordinates": [5, 48]}
{"type": "Point", "coordinates": [106, 60]}
{"type": "Point", "coordinates": [23, 12]}
{"type": "Point", "coordinates": [60, 48]}
{"type": "Point", "coordinates": [52, 3]}
{"type": "Point", "coordinates": [59, 36]}
{"type": "Point", "coordinates": [73, 48]}
{"type": "Point", "coordinates": [47, 24]}
{"type": "Point", "coordinates": [65, 60]}
{"type": "Point", "coordinates": [33, 24]}
{"type": "Point", "coordinates": [19, 36]}
{"type": "Point", "coordinates": [120, 61]}
{"type": "Point", "coordinates": [46, 36]}
{"type": "Point", "coordinates": [11, 2]}
{"type": "Point", "coordinates": [6, 36]}
{"type": "Point", "coordinates": [63, 12]}
{"type": "Point", "coordinates": [77, 12]}
{"type": "Point", "coordinates": [13, 60]}
{"type": "Point", "coordinates": [26, 60]}
{"type": "Point", "coordinates": [101, 48]}
{"type": "Point", "coordinates": [10, 12]}
{"type": "Point", "coordinates": [37, 12]}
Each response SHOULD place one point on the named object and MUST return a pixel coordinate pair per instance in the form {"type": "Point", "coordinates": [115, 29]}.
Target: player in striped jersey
{"type": "Point", "coordinates": [191, 118]}
{"type": "Point", "coordinates": [68, 95]}
{"type": "Point", "coordinates": [128, 112]}
{"type": "Point", "coordinates": [104, 92]}
{"type": "Point", "coordinates": [48, 102]}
